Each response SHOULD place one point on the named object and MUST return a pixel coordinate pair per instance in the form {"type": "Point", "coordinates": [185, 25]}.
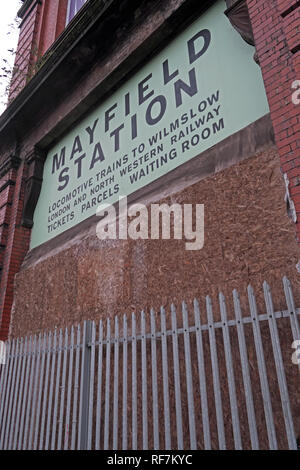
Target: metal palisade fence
{"type": "Point", "coordinates": [166, 380]}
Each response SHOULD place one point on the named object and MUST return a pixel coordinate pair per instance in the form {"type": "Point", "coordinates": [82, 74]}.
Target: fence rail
{"type": "Point", "coordinates": [159, 381]}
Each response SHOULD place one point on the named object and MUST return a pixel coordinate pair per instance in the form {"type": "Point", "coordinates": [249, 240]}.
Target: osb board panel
{"type": "Point", "coordinates": [248, 238]}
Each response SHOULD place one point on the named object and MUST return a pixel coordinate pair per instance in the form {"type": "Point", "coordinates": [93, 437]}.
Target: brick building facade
{"type": "Point", "coordinates": [267, 150]}
{"type": "Point", "coordinates": [77, 64]}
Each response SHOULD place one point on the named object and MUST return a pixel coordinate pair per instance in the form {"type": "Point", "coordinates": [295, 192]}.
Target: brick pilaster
{"type": "Point", "coordinates": [14, 238]}
{"type": "Point", "coordinates": [276, 28]}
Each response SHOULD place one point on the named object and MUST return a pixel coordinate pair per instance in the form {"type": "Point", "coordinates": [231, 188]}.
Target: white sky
{"type": "Point", "coordinates": [8, 12]}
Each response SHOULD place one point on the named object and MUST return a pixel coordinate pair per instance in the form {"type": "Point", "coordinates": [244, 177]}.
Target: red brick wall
{"type": "Point", "coordinates": [6, 196]}
{"type": "Point", "coordinates": [276, 27]}
{"type": "Point", "coordinates": [276, 30]}
{"type": "Point", "coordinates": [26, 51]}
{"type": "Point", "coordinates": [14, 240]}
{"type": "Point", "coordinates": [51, 23]}
{"type": "Point", "coordinates": [42, 23]}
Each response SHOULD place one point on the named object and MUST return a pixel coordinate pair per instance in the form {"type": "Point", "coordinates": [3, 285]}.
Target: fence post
{"type": "Point", "coordinates": [85, 383]}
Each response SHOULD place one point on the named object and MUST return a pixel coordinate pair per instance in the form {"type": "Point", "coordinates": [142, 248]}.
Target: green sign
{"type": "Point", "coordinates": [203, 87]}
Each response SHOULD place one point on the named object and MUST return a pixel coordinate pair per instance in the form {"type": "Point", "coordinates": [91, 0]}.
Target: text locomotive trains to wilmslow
{"type": "Point", "coordinates": [155, 111]}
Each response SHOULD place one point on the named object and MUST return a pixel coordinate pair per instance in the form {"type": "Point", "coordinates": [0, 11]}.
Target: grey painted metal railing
{"type": "Point", "coordinates": [150, 383]}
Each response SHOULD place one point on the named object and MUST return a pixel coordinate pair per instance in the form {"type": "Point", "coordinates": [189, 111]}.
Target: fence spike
{"type": "Point", "coordinates": [178, 403]}
{"type": "Point", "coordinates": [45, 393]}
{"type": "Point", "coordinates": [26, 385]}
{"type": "Point", "coordinates": [262, 371]}
{"type": "Point", "coordinates": [144, 381]}
{"type": "Point", "coordinates": [134, 383]}
{"type": "Point", "coordinates": [245, 372]}
{"type": "Point", "coordinates": [189, 379]}
{"type": "Point", "coordinates": [288, 420]}
{"type": "Point", "coordinates": [69, 391]}
{"type": "Point", "coordinates": [17, 394]}
{"type": "Point", "coordinates": [62, 391]}
{"type": "Point", "coordinates": [216, 377]}
{"type": "Point", "coordinates": [107, 386]}
{"type": "Point", "coordinates": [12, 386]}
{"type": "Point", "coordinates": [202, 377]}
{"type": "Point", "coordinates": [99, 387]}
{"type": "Point", "coordinates": [154, 381]}
{"type": "Point", "coordinates": [116, 386]}
{"type": "Point", "coordinates": [230, 375]}
{"type": "Point", "coordinates": [165, 379]}
{"type": "Point", "coordinates": [33, 408]}
{"type": "Point", "coordinates": [125, 384]}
